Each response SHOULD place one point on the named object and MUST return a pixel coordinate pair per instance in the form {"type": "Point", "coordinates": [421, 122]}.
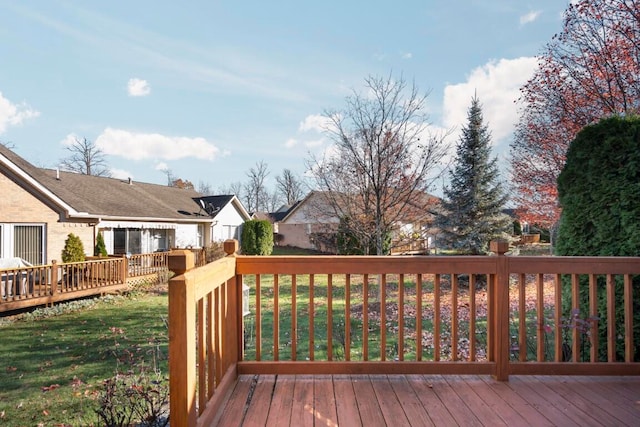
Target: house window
{"type": "Point", "coordinates": [28, 243]}
{"type": "Point", "coordinates": [127, 241]}
{"type": "Point", "coordinates": [200, 235]}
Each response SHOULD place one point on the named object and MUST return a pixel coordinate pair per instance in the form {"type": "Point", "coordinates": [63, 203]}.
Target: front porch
{"type": "Point", "coordinates": [431, 400]}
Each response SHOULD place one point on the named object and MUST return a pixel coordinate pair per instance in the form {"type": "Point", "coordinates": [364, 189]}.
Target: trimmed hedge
{"type": "Point", "coordinates": [257, 237]}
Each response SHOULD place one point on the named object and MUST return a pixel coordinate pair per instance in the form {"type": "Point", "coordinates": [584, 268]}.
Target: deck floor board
{"type": "Point", "coordinates": [425, 400]}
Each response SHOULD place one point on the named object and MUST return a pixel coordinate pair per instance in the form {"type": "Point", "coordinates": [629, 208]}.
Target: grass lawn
{"type": "Point", "coordinates": [51, 369]}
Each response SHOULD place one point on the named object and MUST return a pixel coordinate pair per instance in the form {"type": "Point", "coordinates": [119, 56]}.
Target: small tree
{"type": "Point", "coordinates": [257, 237]}
{"type": "Point", "coordinates": [101, 248]}
{"type": "Point", "coordinates": [73, 249]}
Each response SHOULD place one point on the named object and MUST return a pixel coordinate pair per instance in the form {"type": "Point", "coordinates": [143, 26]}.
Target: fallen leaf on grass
{"type": "Point", "coordinates": [51, 387]}
{"type": "Point", "coordinates": [45, 413]}
{"type": "Point", "coordinates": [11, 369]}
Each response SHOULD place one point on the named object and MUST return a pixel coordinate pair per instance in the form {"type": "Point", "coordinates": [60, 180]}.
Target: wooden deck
{"type": "Point", "coordinates": [425, 400]}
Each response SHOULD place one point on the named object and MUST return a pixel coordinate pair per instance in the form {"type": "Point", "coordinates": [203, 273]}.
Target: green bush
{"type": "Point", "coordinates": [257, 237]}
{"type": "Point", "coordinates": [73, 249]}
{"type": "Point", "coordinates": [101, 248]}
{"type": "Point", "coordinates": [599, 192]}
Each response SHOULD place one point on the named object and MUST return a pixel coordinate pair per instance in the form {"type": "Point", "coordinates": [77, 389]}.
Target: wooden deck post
{"type": "Point", "coordinates": [500, 303]}
{"type": "Point", "coordinates": [182, 341]}
{"type": "Point", "coordinates": [54, 277]}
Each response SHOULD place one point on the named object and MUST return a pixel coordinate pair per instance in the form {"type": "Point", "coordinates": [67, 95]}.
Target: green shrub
{"type": "Point", "coordinates": [73, 249]}
{"type": "Point", "coordinates": [101, 248]}
{"type": "Point", "coordinates": [599, 192]}
{"type": "Point", "coordinates": [257, 237]}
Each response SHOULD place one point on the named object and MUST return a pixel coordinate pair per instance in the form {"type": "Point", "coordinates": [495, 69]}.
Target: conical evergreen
{"type": "Point", "coordinates": [473, 201]}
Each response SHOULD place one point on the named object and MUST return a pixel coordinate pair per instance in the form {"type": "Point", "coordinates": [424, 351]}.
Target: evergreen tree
{"type": "Point", "coordinates": [473, 201]}
{"type": "Point", "coordinates": [100, 248]}
{"type": "Point", "coordinates": [73, 249]}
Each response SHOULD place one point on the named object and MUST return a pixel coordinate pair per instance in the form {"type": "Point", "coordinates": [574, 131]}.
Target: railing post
{"type": "Point", "coordinates": [124, 270]}
{"type": "Point", "coordinates": [182, 341]}
{"type": "Point", "coordinates": [54, 277]}
{"type": "Point", "coordinates": [500, 303]}
{"type": "Point", "coordinates": [231, 248]}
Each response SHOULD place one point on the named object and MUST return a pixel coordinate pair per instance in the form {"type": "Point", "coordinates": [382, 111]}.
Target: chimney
{"type": "Point", "coordinates": [130, 181]}
{"type": "Point", "coordinates": [58, 174]}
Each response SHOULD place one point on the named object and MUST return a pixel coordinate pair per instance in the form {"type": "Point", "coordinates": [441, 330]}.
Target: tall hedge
{"type": "Point", "coordinates": [599, 192]}
{"type": "Point", "coordinates": [257, 237]}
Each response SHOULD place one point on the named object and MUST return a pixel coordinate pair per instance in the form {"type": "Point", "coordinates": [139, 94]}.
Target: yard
{"type": "Point", "coordinates": [53, 369]}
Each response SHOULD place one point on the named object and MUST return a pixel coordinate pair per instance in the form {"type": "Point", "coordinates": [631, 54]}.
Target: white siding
{"type": "Point", "coordinates": [227, 225]}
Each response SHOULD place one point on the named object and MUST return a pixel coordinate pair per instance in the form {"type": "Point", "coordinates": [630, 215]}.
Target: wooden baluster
{"type": "Point", "coordinates": [294, 317]}
{"type": "Point", "coordinates": [436, 318]}
{"type": "Point", "coordinates": [258, 319]}
{"type": "Point", "coordinates": [330, 317]}
{"type": "Point", "coordinates": [454, 316]}
{"type": "Point", "coordinates": [541, 320]}
{"type": "Point", "coordinates": [593, 313]}
{"type": "Point", "coordinates": [365, 317]}
{"type": "Point", "coordinates": [347, 317]}
{"type": "Point", "coordinates": [628, 319]}
{"type": "Point", "coordinates": [276, 318]}
{"type": "Point", "coordinates": [522, 318]}
{"type": "Point", "coordinates": [472, 317]}
{"type": "Point", "coordinates": [401, 317]}
{"type": "Point", "coordinates": [312, 351]}
{"type": "Point", "coordinates": [418, 317]}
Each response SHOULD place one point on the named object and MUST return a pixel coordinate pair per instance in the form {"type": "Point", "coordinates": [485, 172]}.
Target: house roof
{"type": "Point", "coordinates": [86, 196]}
{"type": "Point", "coordinates": [214, 204]}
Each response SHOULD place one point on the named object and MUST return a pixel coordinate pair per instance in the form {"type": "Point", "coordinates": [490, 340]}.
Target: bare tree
{"type": "Point", "coordinates": [85, 158]}
{"type": "Point", "coordinates": [235, 189]}
{"type": "Point", "coordinates": [255, 190]}
{"type": "Point", "coordinates": [382, 159]}
{"type": "Point", "coordinates": [204, 188]}
{"type": "Point", "coordinates": [289, 186]}
{"type": "Point", "coordinates": [8, 144]}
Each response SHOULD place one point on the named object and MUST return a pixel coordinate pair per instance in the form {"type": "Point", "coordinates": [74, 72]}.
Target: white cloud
{"type": "Point", "coordinates": [406, 55]}
{"type": "Point", "coordinates": [291, 142]}
{"type": "Point", "coordinates": [69, 140]}
{"type": "Point", "coordinates": [120, 173]}
{"type": "Point", "coordinates": [529, 17]}
{"type": "Point", "coordinates": [139, 146]}
{"type": "Point", "coordinates": [497, 85]}
{"type": "Point", "coordinates": [315, 122]}
{"type": "Point", "coordinates": [138, 87]}
{"type": "Point", "coordinates": [14, 115]}
{"type": "Point", "coordinates": [161, 166]}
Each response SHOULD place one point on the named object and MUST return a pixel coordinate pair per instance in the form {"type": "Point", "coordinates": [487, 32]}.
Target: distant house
{"type": "Point", "coordinates": [40, 207]}
{"type": "Point", "coordinates": [309, 224]}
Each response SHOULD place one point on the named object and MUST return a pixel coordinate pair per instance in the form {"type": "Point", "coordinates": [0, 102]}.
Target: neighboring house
{"type": "Point", "coordinates": [308, 224]}
{"type": "Point", "coordinates": [40, 207]}
{"type": "Point", "coordinates": [228, 214]}
{"type": "Point", "coordinates": [416, 233]}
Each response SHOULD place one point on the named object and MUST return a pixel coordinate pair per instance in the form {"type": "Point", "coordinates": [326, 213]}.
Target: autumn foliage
{"type": "Point", "coordinates": [588, 71]}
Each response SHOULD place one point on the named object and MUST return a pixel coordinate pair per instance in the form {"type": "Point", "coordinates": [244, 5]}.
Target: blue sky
{"type": "Point", "coordinates": [209, 88]}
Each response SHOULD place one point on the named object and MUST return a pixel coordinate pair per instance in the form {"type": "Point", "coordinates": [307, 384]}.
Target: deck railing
{"type": "Point", "coordinates": [47, 284]}
{"type": "Point", "coordinates": [497, 315]}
